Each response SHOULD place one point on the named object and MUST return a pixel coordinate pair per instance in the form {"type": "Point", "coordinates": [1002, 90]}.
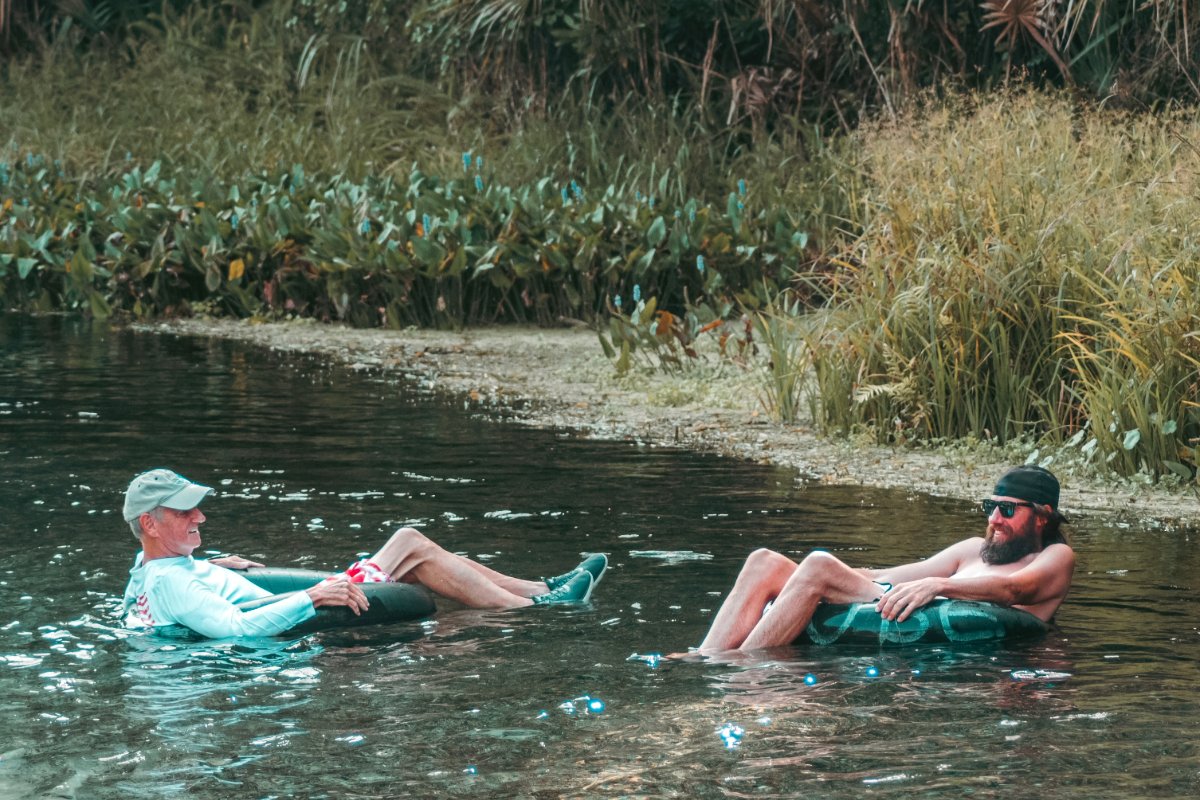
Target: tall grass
{"type": "Point", "coordinates": [1025, 269]}
{"type": "Point", "coordinates": [254, 98]}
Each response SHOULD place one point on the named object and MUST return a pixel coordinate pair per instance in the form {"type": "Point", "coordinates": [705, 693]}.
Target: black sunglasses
{"type": "Point", "coordinates": [1007, 507]}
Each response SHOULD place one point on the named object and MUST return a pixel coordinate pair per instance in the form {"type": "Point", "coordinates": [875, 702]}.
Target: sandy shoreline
{"type": "Point", "coordinates": [560, 378]}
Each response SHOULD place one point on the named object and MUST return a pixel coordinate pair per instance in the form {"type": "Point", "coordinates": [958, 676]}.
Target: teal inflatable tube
{"type": "Point", "coordinates": [389, 602]}
{"type": "Point", "coordinates": [946, 621]}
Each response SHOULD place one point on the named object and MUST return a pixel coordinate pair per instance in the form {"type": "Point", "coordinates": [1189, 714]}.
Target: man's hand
{"type": "Point", "coordinates": [903, 599]}
{"type": "Point", "coordinates": [338, 592]}
{"type": "Point", "coordinates": [234, 562]}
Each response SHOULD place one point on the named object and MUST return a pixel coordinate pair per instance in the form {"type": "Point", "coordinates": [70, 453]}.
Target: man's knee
{"type": "Point", "coordinates": [409, 541]}
{"type": "Point", "coordinates": [763, 562]}
{"type": "Point", "coordinates": [818, 568]}
{"type": "Point", "coordinates": [820, 559]}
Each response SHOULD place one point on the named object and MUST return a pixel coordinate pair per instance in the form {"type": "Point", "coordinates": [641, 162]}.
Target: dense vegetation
{"type": "Point", "coordinates": [1023, 269]}
{"type": "Point", "coordinates": [394, 252]}
{"type": "Point", "coordinates": [947, 257]}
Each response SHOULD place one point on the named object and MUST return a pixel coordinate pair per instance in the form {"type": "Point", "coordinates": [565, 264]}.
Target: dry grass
{"type": "Point", "coordinates": [1024, 269]}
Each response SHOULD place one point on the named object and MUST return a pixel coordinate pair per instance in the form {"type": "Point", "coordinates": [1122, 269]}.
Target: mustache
{"type": "Point", "coordinates": [1013, 548]}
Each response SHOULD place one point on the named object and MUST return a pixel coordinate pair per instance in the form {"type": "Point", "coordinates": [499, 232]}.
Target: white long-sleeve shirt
{"type": "Point", "coordinates": [203, 597]}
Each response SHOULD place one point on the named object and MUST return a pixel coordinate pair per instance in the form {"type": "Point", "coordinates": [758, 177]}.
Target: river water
{"type": "Point", "coordinates": [316, 463]}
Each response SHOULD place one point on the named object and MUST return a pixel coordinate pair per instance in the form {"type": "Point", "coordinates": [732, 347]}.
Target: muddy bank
{"type": "Point", "coordinates": [560, 378]}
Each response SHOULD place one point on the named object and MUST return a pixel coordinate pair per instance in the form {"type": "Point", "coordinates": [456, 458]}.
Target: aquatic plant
{"type": "Point", "coordinates": [377, 251]}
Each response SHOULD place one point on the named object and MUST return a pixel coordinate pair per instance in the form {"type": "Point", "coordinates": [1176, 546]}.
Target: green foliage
{"type": "Point", "coordinates": [426, 250]}
{"type": "Point", "coordinates": [780, 327]}
{"type": "Point", "coordinates": [656, 339]}
{"type": "Point", "coordinates": [1007, 269]}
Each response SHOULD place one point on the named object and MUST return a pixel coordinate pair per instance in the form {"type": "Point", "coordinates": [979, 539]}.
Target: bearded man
{"type": "Point", "coordinates": [1023, 561]}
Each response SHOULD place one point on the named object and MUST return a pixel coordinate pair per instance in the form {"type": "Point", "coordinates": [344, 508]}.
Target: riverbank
{"type": "Point", "coordinates": [559, 378]}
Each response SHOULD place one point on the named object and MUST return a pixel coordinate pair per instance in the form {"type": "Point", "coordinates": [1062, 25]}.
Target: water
{"type": "Point", "coordinates": [317, 463]}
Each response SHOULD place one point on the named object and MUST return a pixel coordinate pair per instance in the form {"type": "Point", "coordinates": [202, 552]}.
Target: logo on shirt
{"type": "Point", "coordinates": [142, 609]}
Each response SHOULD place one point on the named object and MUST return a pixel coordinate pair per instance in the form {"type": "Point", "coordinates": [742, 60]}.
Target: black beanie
{"type": "Point", "coordinates": [1035, 484]}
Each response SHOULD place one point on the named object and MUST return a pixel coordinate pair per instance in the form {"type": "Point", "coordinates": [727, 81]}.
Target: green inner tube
{"type": "Point", "coordinates": [952, 621]}
{"type": "Point", "coordinates": [389, 602]}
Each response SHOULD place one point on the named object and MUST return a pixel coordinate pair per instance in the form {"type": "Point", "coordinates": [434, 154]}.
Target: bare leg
{"type": "Point", "coordinates": [409, 554]}
{"type": "Point", "coordinates": [796, 590]}
{"type": "Point", "coordinates": [515, 585]}
{"type": "Point", "coordinates": [761, 580]}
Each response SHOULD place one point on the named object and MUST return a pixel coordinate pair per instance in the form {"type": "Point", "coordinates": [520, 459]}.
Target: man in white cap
{"type": "Point", "coordinates": [167, 586]}
{"type": "Point", "coordinates": [1023, 561]}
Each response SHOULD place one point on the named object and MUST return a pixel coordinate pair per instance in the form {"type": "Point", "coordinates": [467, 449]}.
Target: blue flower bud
{"type": "Point", "coordinates": [466, 160]}
{"type": "Point", "coordinates": [700, 264]}
{"type": "Point", "coordinates": [366, 226]}
{"type": "Point", "coordinates": [426, 224]}
{"type": "Point", "coordinates": [233, 221]}
{"type": "Point", "coordinates": [742, 187]}
{"type": "Point", "coordinates": [617, 302]}
{"type": "Point", "coordinates": [576, 190]}
{"type": "Point", "coordinates": [565, 198]}
{"type": "Point", "coordinates": [637, 292]}
{"type": "Point", "coordinates": [478, 183]}
{"type": "Point", "coordinates": [478, 162]}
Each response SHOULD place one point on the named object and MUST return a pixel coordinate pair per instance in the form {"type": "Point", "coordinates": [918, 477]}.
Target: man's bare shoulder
{"type": "Point", "coordinates": [970, 545]}
{"type": "Point", "coordinates": [1057, 551]}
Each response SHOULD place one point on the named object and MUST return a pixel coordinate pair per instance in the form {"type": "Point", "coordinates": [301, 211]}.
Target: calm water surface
{"type": "Point", "coordinates": [315, 464]}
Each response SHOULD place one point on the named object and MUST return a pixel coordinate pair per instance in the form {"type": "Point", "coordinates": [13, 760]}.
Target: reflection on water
{"type": "Point", "coordinates": [316, 464]}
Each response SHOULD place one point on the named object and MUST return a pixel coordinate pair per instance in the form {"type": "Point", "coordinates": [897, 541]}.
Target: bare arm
{"type": "Point", "coordinates": [939, 565]}
{"type": "Point", "coordinates": [234, 562]}
{"type": "Point", "coordinates": [1044, 580]}
{"type": "Point", "coordinates": [326, 593]}
{"type": "Point", "coordinates": [338, 593]}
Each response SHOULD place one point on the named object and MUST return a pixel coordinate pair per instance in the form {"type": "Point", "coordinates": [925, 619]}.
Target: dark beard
{"type": "Point", "coordinates": [1014, 549]}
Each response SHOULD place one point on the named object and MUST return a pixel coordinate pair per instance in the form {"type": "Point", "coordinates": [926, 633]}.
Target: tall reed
{"type": "Point", "coordinates": [1025, 268]}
